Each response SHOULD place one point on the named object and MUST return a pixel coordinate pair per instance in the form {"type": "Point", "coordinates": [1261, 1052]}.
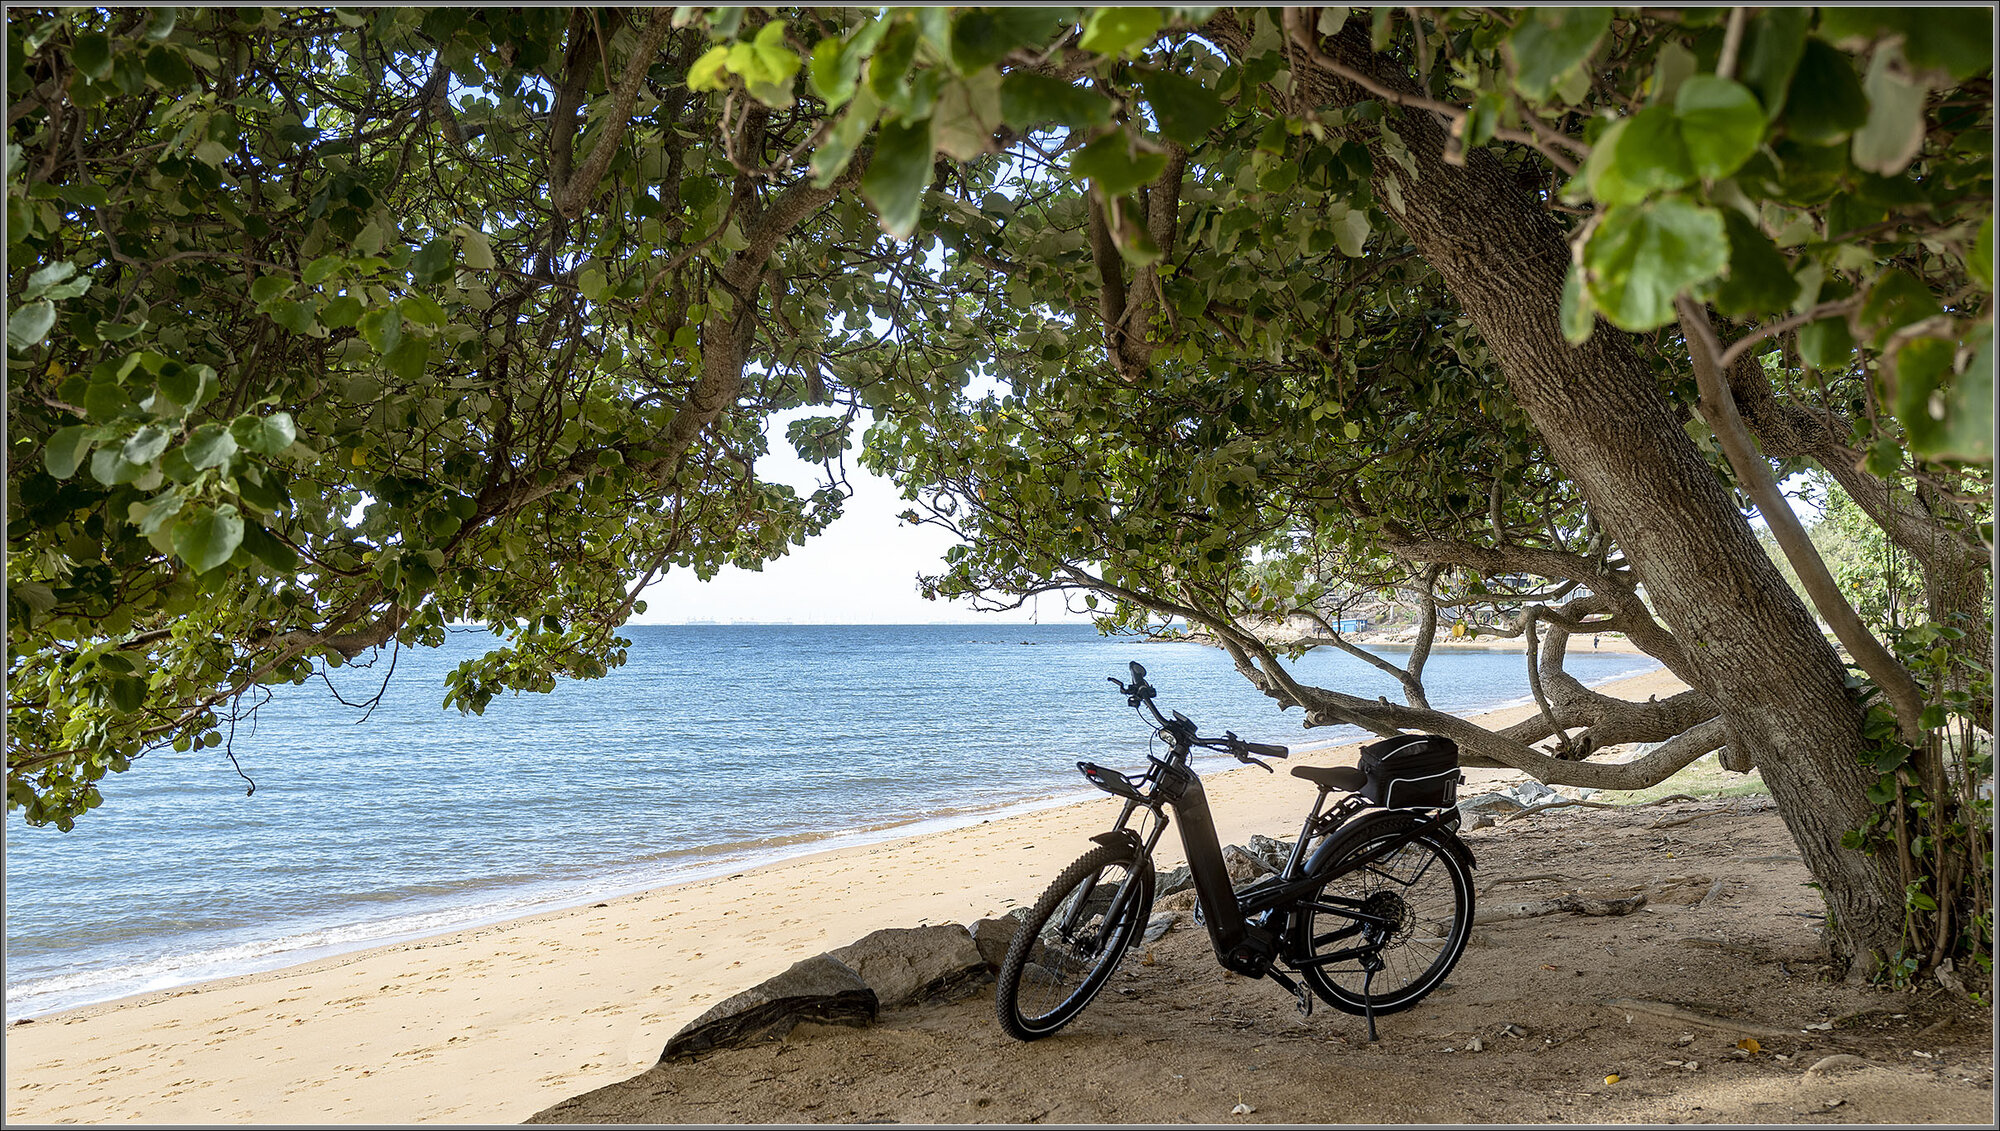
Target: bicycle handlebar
{"type": "Point", "coordinates": [1140, 692]}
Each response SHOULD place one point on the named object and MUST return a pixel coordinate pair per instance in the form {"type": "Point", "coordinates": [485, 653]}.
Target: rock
{"type": "Point", "coordinates": [1183, 900]}
{"type": "Point", "coordinates": [820, 989]}
{"type": "Point", "coordinates": [1179, 880]}
{"type": "Point", "coordinates": [1272, 853]}
{"type": "Point", "coordinates": [1490, 803]}
{"type": "Point", "coordinates": [1243, 867]}
{"type": "Point", "coordinates": [1531, 793]}
{"type": "Point", "coordinates": [1478, 821]}
{"type": "Point", "coordinates": [1159, 925]}
{"type": "Point", "coordinates": [993, 937]}
{"type": "Point", "coordinates": [908, 965]}
{"type": "Point", "coordinates": [1837, 1062]}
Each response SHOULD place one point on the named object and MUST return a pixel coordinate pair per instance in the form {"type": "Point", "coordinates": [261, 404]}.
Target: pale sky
{"type": "Point", "coordinates": [862, 570]}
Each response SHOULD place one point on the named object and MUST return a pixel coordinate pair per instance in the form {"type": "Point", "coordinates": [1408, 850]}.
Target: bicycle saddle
{"type": "Point", "coordinates": [1344, 778]}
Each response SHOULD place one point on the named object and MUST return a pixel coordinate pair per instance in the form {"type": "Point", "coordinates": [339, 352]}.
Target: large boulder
{"type": "Point", "coordinates": [993, 937]}
{"type": "Point", "coordinates": [910, 965]}
{"type": "Point", "coordinates": [820, 989]}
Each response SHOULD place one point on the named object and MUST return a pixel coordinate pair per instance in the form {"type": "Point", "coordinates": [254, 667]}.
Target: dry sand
{"type": "Point", "coordinates": [497, 1023]}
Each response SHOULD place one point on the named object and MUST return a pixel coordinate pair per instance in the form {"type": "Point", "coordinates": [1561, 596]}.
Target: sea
{"type": "Point", "coordinates": [715, 748]}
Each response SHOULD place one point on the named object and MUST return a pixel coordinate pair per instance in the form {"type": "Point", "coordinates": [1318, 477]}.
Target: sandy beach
{"type": "Point", "coordinates": [493, 1024]}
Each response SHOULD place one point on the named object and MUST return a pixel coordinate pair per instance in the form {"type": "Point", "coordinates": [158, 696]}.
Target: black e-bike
{"type": "Point", "coordinates": [1371, 910]}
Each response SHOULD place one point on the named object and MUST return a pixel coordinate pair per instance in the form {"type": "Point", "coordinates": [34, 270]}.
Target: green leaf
{"type": "Point", "coordinates": [66, 449]}
{"type": "Point", "coordinates": [168, 67]}
{"type": "Point", "coordinates": [268, 287]}
{"type": "Point", "coordinates": [1894, 131]}
{"type": "Point", "coordinates": [127, 693]}
{"type": "Point", "coordinates": [898, 173]}
{"type": "Point", "coordinates": [1350, 232]}
{"type": "Point", "coordinates": [1967, 427]}
{"type": "Point", "coordinates": [1898, 299]}
{"type": "Point", "coordinates": [1550, 43]}
{"type": "Point", "coordinates": [432, 263]}
{"type": "Point", "coordinates": [476, 250]}
{"type": "Point", "coordinates": [210, 445]}
{"type": "Point", "coordinates": [837, 151]}
{"type": "Point", "coordinates": [1773, 42]}
{"type": "Point", "coordinates": [146, 444]}
{"type": "Point", "coordinates": [708, 71]}
{"type": "Point", "coordinates": [409, 357]}
{"type": "Point", "coordinates": [1638, 156]}
{"type": "Point", "coordinates": [269, 550]}
{"type": "Point", "coordinates": [1826, 344]}
{"type": "Point", "coordinates": [1579, 318]}
{"type": "Point", "coordinates": [420, 309]}
{"type": "Point", "coordinates": [1760, 280]}
{"type": "Point", "coordinates": [382, 328]}
{"type": "Point", "coordinates": [1185, 109]}
{"type": "Point", "coordinates": [110, 468]}
{"type": "Point", "coordinates": [1642, 256]}
{"type": "Point", "coordinates": [30, 323]}
{"type": "Point", "coordinates": [92, 54]}
{"type": "Point", "coordinates": [340, 311]}
{"type": "Point", "coordinates": [265, 435]}
{"type": "Point", "coordinates": [322, 269]}
{"type": "Point", "coordinates": [1112, 164]}
{"type": "Point", "coordinates": [206, 538]}
{"type": "Point", "coordinates": [1031, 100]}
{"type": "Point", "coordinates": [984, 36]}
{"type": "Point", "coordinates": [40, 282]}
{"type": "Point", "coordinates": [187, 385]}
{"type": "Point", "coordinates": [1721, 122]}
{"type": "Point", "coordinates": [968, 111]}
{"type": "Point", "coordinates": [1120, 31]}
{"type": "Point", "coordinates": [1825, 103]}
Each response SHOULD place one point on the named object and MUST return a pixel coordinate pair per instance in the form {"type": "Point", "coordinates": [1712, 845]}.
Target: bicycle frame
{"type": "Point", "coordinates": [1238, 924]}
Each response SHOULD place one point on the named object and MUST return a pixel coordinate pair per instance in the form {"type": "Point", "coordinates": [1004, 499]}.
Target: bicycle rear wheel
{"type": "Point", "coordinates": [1072, 939]}
{"type": "Point", "coordinates": [1422, 889]}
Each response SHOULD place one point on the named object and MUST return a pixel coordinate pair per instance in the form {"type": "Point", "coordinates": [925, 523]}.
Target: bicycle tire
{"type": "Point", "coordinates": [1425, 885]}
{"type": "Point", "coordinates": [1048, 975]}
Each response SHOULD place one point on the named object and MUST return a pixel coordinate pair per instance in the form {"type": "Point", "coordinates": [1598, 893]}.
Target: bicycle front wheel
{"type": "Point", "coordinates": [1072, 939]}
{"type": "Point", "coordinates": [1419, 898]}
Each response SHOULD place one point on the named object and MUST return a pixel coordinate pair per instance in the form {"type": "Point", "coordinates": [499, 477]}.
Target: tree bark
{"type": "Point", "coordinates": [1600, 409]}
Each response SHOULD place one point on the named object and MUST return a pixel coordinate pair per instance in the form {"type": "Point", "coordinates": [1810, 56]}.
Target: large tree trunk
{"type": "Point", "coordinates": [1755, 648]}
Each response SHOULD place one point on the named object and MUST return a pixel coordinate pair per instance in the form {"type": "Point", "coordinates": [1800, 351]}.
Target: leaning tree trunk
{"type": "Point", "coordinates": [1600, 409]}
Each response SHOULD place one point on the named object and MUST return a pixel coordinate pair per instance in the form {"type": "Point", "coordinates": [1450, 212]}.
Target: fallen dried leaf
{"type": "Point", "coordinates": [1613, 1078]}
{"type": "Point", "coordinates": [1749, 1045]}
{"type": "Point", "coordinates": [1242, 1109]}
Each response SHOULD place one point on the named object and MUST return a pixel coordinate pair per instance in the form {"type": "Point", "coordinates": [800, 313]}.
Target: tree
{"type": "Point", "coordinates": [1522, 309]}
{"type": "Point", "coordinates": [1561, 207]}
{"type": "Point", "coordinates": [328, 329]}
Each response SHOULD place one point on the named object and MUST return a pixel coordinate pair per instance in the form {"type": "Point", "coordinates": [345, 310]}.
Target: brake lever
{"type": "Point", "coordinates": [1237, 747]}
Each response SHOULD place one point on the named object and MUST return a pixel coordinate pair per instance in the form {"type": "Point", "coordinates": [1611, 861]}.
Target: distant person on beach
{"type": "Point", "coordinates": [1593, 643]}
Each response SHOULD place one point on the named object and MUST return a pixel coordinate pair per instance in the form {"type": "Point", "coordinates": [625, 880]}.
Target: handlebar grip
{"type": "Point", "coordinates": [1267, 750]}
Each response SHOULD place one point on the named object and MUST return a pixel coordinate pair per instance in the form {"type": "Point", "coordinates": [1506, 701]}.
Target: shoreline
{"type": "Point", "coordinates": [491, 1023]}
{"type": "Point", "coordinates": [168, 972]}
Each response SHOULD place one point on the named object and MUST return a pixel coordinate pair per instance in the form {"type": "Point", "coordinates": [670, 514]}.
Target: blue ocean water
{"type": "Point", "coordinates": [714, 748]}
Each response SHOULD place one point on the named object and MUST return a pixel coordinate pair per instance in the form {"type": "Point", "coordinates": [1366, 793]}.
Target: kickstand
{"type": "Point", "coordinates": [1368, 998]}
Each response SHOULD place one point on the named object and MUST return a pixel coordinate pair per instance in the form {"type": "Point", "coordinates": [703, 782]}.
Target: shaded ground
{"type": "Point", "coordinates": [1726, 948]}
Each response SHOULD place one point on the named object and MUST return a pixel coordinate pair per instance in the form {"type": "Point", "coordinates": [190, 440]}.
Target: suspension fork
{"type": "Point", "coordinates": [1142, 848]}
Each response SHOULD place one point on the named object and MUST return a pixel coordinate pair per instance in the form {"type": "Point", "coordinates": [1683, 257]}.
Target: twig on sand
{"type": "Point", "coordinates": [1714, 890]}
{"type": "Point", "coordinates": [1691, 818]}
{"type": "Point", "coordinates": [1597, 805]}
{"type": "Point", "coordinates": [1569, 901]}
{"type": "Point", "coordinates": [1692, 1017]}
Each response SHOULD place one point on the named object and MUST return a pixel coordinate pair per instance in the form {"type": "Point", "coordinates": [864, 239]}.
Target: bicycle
{"type": "Point", "coordinates": [1377, 888]}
